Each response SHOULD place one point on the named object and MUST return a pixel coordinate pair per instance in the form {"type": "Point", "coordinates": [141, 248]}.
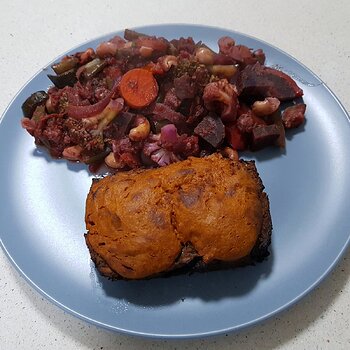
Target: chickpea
{"type": "Point", "coordinates": [205, 56]}
{"type": "Point", "coordinates": [225, 71]}
{"type": "Point", "coordinates": [266, 107]}
{"type": "Point", "coordinates": [230, 153]}
{"type": "Point", "coordinates": [169, 61]}
{"type": "Point", "coordinates": [72, 153]}
{"type": "Point", "coordinates": [112, 163]}
{"type": "Point", "coordinates": [141, 130]}
{"type": "Point", "coordinates": [146, 51]}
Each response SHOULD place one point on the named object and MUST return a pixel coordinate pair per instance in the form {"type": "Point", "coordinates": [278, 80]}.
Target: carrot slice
{"type": "Point", "coordinates": [138, 87]}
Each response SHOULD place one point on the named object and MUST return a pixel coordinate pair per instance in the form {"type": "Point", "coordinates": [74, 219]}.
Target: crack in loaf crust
{"type": "Point", "coordinates": [198, 214]}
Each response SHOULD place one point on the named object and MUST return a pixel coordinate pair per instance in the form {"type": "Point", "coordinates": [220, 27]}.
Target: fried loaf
{"type": "Point", "coordinates": [198, 214]}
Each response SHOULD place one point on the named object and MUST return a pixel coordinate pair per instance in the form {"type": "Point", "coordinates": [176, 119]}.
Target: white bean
{"type": "Point", "coordinates": [205, 56]}
{"type": "Point", "coordinates": [266, 107]}
{"type": "Point", "coordinates": [112, 163]}
{"type": "Point", "coordinates": [141, 131]}
{"type": "Point", "coordinates": [230, 153]}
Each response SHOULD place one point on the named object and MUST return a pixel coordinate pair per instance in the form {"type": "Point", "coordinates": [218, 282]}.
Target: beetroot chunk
{"type": "Point", "coordinates": [239, 53]}
{"type": "Point", "coordinates": [294, 116]}
{"type": "Point", "coordinates": [248, 121]}
{"type": "Point", "coordinates": [164, 112]}
{"type": "Point", "coordinates": [261, 81]}
{"type": "Point", "coordinates": [171, 100]}
{"type": "Point", "coordinates": [264, 135]}
{"type": "Point", "coordinates": [211, 129]}
{"type": "Point", "coordinates": [184, 44]}
{"type": "Point", "coordinates": [242, 55]}
{"type": "Point", "coordinates": [184, 87]}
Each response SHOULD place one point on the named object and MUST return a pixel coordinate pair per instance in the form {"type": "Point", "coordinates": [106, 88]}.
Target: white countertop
{"type": "Point", "coordinates": [35, 32]}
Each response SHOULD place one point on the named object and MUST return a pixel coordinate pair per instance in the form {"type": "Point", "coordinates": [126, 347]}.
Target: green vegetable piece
{"type": "Point", "coordinates": [94, 67]}
{"type": "Point", "coordinates": [67, 63]}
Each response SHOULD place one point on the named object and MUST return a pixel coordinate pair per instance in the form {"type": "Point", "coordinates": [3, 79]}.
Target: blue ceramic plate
{"type": "Point", "coordinates": [42, 221]}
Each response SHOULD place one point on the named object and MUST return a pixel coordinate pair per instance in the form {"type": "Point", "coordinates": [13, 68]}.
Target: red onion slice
{"type": "Point", "coordinates": [80, 112]}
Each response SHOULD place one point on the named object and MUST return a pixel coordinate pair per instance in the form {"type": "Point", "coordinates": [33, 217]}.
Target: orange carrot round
{"type": "Point", "coordinates": [138, 87]}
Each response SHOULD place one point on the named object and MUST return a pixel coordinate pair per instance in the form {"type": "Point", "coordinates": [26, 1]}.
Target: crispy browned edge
{"type": "Point", "coordinates": [259, 252]}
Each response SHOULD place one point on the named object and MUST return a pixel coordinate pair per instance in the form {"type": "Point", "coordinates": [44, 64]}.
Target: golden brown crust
{"type": "Point", "coordinates": [139, 223]}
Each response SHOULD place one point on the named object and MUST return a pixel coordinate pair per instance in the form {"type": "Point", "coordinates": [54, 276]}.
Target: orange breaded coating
{"type": "Point", "coordinates": [149, 222]}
